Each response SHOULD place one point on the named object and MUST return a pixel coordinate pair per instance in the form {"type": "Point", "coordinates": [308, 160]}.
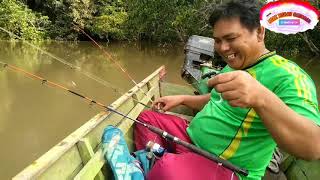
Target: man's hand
{"type": "Point", "coordinates": [239, 88]}
{"type": "Point", "coordinates": [167, 102]}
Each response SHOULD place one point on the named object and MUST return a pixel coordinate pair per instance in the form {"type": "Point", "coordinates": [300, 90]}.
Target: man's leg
{"type": "Point", "coordinates": [172, 124]}
{"type": "Point", "coordinates": [188, 166]}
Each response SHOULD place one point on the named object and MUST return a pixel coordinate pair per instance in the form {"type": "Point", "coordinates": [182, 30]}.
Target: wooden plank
{"type": "Point", "coordinates": [126, 124]}
{"type": "Point", "coordinates": [154, 76]}
{"type": "Point", "coordinates": [129, 139]}
{"type": "Point", "coordinates": [86, 153]}
{"type": "Point", "coordinates": [126, 106]}
{"type": "Point", "coordinates": [94, 136]}
{"type": "Point", "coordinates": [93, 166]}
{"type": "Point", "coordinates": [66, 170]}
{"type": "Point", "coordinates": [142, 92]}
{"type": "Point", "coordinates": [154, 83]}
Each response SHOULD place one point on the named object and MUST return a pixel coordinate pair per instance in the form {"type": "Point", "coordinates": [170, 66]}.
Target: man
{"type": "Point", "coordinates": [259, 100]}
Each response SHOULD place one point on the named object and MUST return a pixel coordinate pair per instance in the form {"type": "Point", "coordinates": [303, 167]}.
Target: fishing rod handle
{"type": "Point", "coordinates": [214, 158]}
{"type": "Point", "coordinates": [197, 150]}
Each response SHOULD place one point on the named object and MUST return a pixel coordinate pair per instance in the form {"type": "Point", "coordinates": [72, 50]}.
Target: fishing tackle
{"type": "Point", "coordinates": [89, 75]}
{"type": "Point", "coordinates": [155, 148]}
{"type": "Point", "coordinates": [192, 147]}
{"type": "Point", "coordinates": [45, 81]}
{"type": "Point", "coordinates": [154, 129]}
{"type": "Point", "coordinates": [112, 60]}
{"type": "Point", "coordinates": [93, 77]}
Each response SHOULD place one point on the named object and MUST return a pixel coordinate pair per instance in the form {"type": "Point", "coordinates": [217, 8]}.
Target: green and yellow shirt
{"type": "Point", "coordinates": [238, 134]}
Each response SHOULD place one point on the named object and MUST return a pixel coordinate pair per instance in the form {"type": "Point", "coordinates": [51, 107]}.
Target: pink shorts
{"type": "Point", "coordinates": [181, 163]}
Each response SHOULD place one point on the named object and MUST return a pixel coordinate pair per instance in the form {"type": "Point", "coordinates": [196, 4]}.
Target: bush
{"type": "Point", "coordinates": [108, 22]}
{"type": "Point", "coordinates": [20, 20]}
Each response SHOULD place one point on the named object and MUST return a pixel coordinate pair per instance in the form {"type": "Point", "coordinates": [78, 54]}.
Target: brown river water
{"type": "Point", "coordinates": [34, 117]}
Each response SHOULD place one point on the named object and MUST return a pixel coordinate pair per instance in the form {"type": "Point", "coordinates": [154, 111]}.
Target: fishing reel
{"type": "Point", "coordinates": [200, 63]}
{"type": "Point", "coordinates": [154, 152]}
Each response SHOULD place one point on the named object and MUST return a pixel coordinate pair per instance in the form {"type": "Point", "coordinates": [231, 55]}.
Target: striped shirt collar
{"type": "Point", "coordinates": [261, 59]}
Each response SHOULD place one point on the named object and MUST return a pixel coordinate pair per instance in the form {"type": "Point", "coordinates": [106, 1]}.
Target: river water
{"type": "Point", "coordinates": [35, 117]}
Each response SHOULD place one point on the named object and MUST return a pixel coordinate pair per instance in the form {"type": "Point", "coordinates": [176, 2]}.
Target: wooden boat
{"type": "Point", "coordinates": [79, 156]}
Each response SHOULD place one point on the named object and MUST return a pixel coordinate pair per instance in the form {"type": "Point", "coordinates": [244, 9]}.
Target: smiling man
{"type": "Point", "coordinates": [266, 100]}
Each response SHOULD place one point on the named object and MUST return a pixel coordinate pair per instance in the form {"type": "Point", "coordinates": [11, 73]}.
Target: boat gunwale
{"type": "Point", "coordinates": [53, 154]}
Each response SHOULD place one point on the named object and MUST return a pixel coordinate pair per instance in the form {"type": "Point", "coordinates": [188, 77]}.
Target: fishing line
{"type": "Point", "coordinates": [87, 74]}
{"type": "Point", "coordinates": [109, 57]}
{"type": "Point", "coordinates": [93, 77]}
{"type": "Point", "coordinates": [154, 129]}
{"type": "Point", "coordinates": [53, 84]}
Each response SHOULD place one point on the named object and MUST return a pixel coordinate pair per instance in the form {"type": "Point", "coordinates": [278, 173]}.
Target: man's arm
{"type": "Point", "coordinates": [194, 102]}
{"type": "Point", "coordinates": [292, 132]}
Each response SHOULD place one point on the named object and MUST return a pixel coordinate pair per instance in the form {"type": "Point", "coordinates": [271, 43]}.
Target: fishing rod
{"type": "Point", "coordinates": [97, 79]}
{"type": "Point", "coordinates": [109, 57]}
{"type": "Point", "coordinates": [190, 146]}
{"type": "Point", "coordinates": [45, 81]}
{"type": "Point", "coordinates": [152, 128]}
{"type": "Point", "coordinates": [89, 75]}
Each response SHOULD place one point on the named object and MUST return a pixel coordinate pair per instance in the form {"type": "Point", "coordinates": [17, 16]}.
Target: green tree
{"type": "Point", "coordinates": [160, 21]}
{"type": "Point", "coordinates": [20, 20]}
{"type": "Point", "coordinates": [193, 19]}
{"type": "Point", "coordinates": [108, 22]}
{"type": "Point", "coordinates": [168, 20]}
{"type": "Point", "coordinates": [153, 20]}
{"type": "Point", "coordinates": [64, 15]}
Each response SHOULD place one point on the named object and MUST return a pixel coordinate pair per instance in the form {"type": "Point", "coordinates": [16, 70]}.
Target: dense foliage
{"type": "Point", "coordinates": [17, 18]}
{"type": "Point", "coordinates": [109, 20]}
{"type": "Point", "coordinates": [168, 21]}
{"type": "Point", "coordinates": [160, 21]}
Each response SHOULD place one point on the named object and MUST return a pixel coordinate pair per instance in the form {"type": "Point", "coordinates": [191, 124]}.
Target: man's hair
{"type": "Point", "coordinates": [248, 11]}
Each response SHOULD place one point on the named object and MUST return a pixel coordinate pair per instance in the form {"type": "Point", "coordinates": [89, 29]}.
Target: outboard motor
{"type": "Point", "coordinates": [200, 62]}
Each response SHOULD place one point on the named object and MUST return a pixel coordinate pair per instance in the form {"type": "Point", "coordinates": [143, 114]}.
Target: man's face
{"type": "Point", "coordinates": [238, 46]}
